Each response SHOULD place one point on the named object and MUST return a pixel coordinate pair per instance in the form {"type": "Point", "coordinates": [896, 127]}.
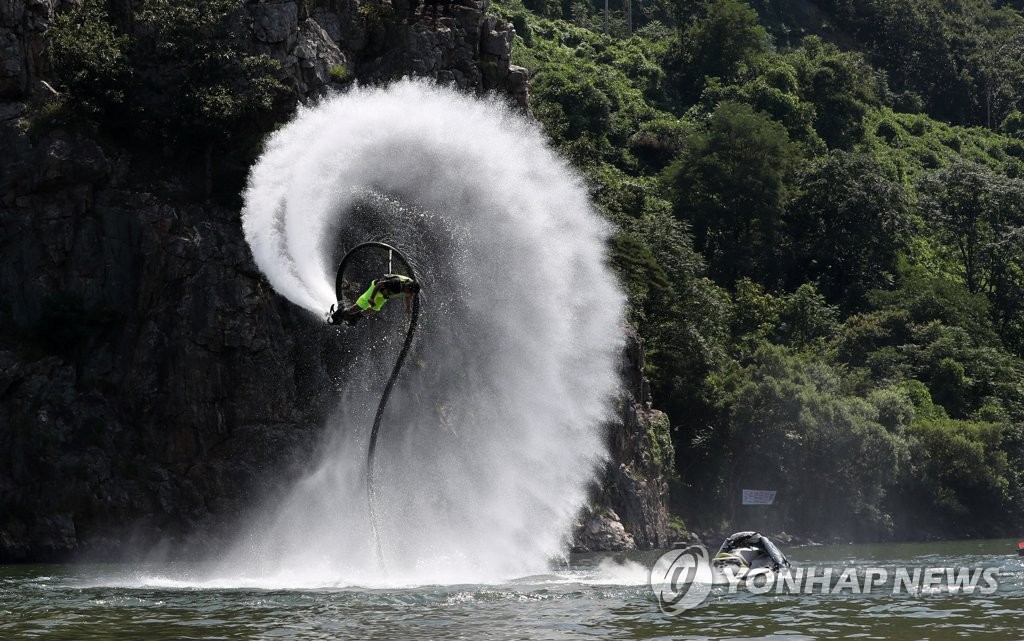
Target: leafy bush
{"type": "Point", "coordinates": [840, 85]}
{"type": "Point", "coordinates": [91, 58]}
{"type": "Point", "coordinates": [186, 75]}
{"type": "Point", "coordinates": [583, 107]}
{"type": "Point", "coordinates": [723, 40]}
{"type": "Point", "coordinates": [958, 479]}
{"type": "Point", "coordinates": [220, 86]}
{"type": "Point", "coordinates": [339, 73]}
{"type": "Point", "coordinates": [794, 429]}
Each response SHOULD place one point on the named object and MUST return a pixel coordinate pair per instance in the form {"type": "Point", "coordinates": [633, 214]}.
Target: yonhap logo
{"type": "Point", "coordinates": [681, 579]}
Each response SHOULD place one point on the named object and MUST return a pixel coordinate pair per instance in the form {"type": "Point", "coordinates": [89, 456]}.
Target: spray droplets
{"type": "Point", "coordinates": [495, 429]}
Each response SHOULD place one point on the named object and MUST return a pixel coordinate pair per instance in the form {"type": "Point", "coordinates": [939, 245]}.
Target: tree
{"type": "Point", "coordinates": [775, 92]}
{"type": "Point", "coordinates": [201, 84]}
{"type": "Point", "coordinates": [792, 428]}
{"type": "Point", "coordinates": [959, 58]}
{"type": "Point", "coordinates": [840, 85]}
{"type": "Point", "coordinates": [1000, 61]}
{"type": "Point", "coordinates": [932, 329]}
{"type": "Point", "coordinates": [797, 320]}
{"type": "Point", "coordinates": [574, 106]}
{"type": "Point", "coordinates": [730, 183]}
{"type": "Point", "coordinates": [924, 48]}
{"type": "Point", "coordinates": [683, 321]}
{"type": "Point", "coordinates": [981, 215]}
{"type": "Point", "coordinates": [962, 198]}
{"type": "Point", "coordinates": [723, 40]}
{"type": "Point", "coordinates": [90, 57]}
{"type": "Point", "coordinates": [847, 227]}
{"type": "Point", "coordinates": [957, 482]}
{"type": "Point", "coordinates": [726, 38]}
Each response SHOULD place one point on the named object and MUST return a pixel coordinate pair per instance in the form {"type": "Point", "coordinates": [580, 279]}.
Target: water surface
{"type": "Point", "coordinates": [592, 596]}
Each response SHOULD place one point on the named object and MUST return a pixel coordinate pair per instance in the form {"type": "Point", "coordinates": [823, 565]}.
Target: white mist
{"type": "Point", "coordinates": [495, 428]}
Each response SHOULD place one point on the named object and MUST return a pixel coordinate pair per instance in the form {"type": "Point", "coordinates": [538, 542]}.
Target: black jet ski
{"type": "Point", "coordinates": [745, 552]}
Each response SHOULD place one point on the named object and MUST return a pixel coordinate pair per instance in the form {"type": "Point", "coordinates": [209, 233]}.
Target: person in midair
{"type": "Point", "coordinates": [381, 290]}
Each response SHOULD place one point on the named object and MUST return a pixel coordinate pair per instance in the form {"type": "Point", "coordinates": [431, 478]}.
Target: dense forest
{"type": "Point", "coordinates": [819, 208]}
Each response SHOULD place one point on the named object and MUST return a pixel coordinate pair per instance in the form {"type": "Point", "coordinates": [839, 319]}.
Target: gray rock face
{"type": "Point", "coordinates": [342, 22]}
{"type": "Point", "coordinates": [22, 43]}
{"type": "Point", "coordinates": [12, 67]}
{"type": "Point", "coordinates": [601, 532]}
{"type": "Point", "coordinates": [462, 45]}
{"type": "Point", "coordinates": [634, 486]}
{"type": "Point", "coordinates": [496, 38]}
{"type": "Point", "coordinates": [316, 50]}
{"type": "Point", "coordinates": [376, 41]}
{"type": "Point", "coordinates": [275, 22]}
{"type": "Point", "coordinates": [136, 346]}
{"type": "Point", "coordinates": [312, 63]}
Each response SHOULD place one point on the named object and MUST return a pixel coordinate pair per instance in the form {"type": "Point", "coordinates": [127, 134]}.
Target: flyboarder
{"type": "Point", "coordinates": [380, 291]}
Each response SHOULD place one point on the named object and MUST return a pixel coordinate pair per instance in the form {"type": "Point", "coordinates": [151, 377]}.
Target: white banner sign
{"type": "Point", "coordinates": [758, 497]}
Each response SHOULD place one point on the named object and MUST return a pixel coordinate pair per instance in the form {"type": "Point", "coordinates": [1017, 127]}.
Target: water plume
{"type": "Point", "coordinates": [495, 427]}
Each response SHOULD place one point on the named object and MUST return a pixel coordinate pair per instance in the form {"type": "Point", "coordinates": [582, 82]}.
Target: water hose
{"type": "Point", "coordinates": [374, 433]}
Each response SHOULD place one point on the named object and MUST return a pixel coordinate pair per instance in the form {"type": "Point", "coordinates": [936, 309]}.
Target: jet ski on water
{"type": "Point", "coordinates": [746, 554]}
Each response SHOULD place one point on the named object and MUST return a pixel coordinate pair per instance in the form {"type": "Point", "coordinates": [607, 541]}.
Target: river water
{"type": "Point", "coordinates": [590, 596]}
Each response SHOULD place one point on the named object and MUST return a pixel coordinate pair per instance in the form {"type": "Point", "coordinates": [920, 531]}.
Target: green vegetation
{"type": "Point", "coordinates": [660, 435]}
{"type": "Point", "coordinates": [184, 76]}
{"type": "Point", "coordinates": [339, 73]}
{"type": "Point", "coordinates": [216, 85]}
{"type": "Point", "coordinates": [93, 56]}
{"type": "Point", "coordinates": [820, 214]}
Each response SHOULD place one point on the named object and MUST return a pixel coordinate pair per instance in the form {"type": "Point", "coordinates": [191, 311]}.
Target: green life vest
{"type": "Point", "coordinates": [380, 297]}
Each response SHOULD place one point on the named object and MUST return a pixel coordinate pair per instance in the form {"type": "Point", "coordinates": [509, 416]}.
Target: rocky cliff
{"type": "Point", "coordinates": [627, 510]}
{"type": "Point", "coordinates": [373, 40]}
{"type": "Point", "coordinates": [152, 387]}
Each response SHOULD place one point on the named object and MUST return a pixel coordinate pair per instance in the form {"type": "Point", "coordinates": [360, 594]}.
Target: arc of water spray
{"type": "Point", "coordinates": [375, 431]}
{"type": "Point", "coordinates": [504, 433]}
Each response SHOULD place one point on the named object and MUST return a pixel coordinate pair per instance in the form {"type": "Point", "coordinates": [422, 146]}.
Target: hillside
{"type": "Point", "coordinates": [820, 223]}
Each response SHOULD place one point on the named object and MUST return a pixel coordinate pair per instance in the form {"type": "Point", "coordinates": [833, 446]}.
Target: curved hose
{"type": "Point", "coordinates": [339, 291]}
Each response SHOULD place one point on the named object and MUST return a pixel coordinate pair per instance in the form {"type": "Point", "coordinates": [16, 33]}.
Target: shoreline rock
{"type": "Point", "coordinates": [634, 485]}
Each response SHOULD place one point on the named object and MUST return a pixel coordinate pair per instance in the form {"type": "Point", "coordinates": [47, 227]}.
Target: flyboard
{"type": "Point", "coordinates": [345, 300]}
